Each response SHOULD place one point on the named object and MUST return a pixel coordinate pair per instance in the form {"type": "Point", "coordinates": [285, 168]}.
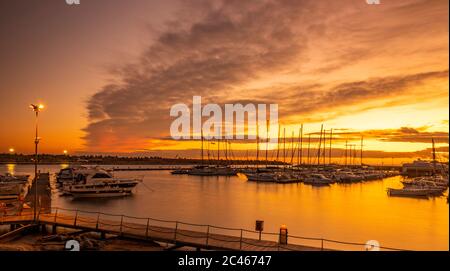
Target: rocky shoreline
{"type": "Point", "coordinates": [88, 241]}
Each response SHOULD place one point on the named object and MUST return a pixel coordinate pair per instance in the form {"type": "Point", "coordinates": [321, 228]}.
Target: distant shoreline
{"type": "Point", "coordinates": [116, 160]}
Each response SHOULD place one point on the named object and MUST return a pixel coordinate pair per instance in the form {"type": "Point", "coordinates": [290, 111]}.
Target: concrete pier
{"type": "Point", "coordinates": [43, 193]}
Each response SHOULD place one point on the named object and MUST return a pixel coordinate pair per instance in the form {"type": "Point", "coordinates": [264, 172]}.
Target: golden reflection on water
{"type": "Point", "coordinates": [11, 168]}
{"type": "Point", "coordinates": [345, 212]}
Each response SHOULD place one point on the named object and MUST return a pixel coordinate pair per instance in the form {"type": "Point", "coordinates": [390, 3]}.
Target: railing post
{"type": "Point", "coordinates": [56, 215]}
{"type": "Point", "coordinates": [121, 223]}
{"type": "Point", "coordinates": [146, 230]}
{"type": "Point", "coordinates": [98, 219]}
{"type": "Point", "coordinates": [207, 236]}
{"type": "Point", "coordinates": [321, 247]}
{"type": "Point", "coordinates": [75, 221]}
{"type": "Point", "coordinates": [176, 228]}
{"type": "Point", "coordinates": [240, 240]}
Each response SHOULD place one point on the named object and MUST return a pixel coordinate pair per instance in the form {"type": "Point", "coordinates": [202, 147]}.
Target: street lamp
{"type": "Point", "coordinates": [36, 109]}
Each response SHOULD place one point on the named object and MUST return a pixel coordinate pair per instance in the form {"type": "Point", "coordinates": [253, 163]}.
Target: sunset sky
{"type": "Point", "coordinates": [108, 71]}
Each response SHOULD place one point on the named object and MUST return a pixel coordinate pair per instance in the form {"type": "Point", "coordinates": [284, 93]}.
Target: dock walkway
{"type": "Point", "coordinates": [175, 232]}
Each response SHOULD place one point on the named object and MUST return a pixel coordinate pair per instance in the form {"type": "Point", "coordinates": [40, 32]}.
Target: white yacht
{"type": "Point", "coordinates": [421, 187]}
{"type": "Point", "coordinates": [72, 174]}
{"type": "Point", "coordinates": [99, 183]}
{"type": "Point", "coordinates": [424, 182]}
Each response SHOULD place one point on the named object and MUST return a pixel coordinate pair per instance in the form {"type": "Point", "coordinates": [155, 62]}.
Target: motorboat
{"type": "Point", "coordinates": [411, 192]}
{"type": "Point", "coordinates": [212, 171]}
{"type": "Point", "coordinates": [261, 177]}
{"type": "Point", "coordinates": [318, 180]}
{"type": "Point", "coordinates": [286, 178]}
{"type": "Point", "coordinates": [372, 175]}
{"type": "Point", "coordinates": [424, 182]}
{"type": "Point", "coordinates": [10, 178]}
{"type": "Point", "coordinates": [101, 190]}
{"type": "Point", "coordinates": [99, 183]}
{"type": "Point", "coordinates": [179, 171]}
{"type": "Point", "coordinates": [70, 174]}
{"type": "Point", "coordinates": [349, 177]}
{"type": "Point", "coordinates": [252, 170]}
{"type": "Point", "coordinates": [201, 171]}
{"type": "Point", "coordinates": [420, 187]}
{"type": "Point", "coordinates": [10, 190]}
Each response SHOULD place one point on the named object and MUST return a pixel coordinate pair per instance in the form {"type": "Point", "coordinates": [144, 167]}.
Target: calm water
{"type": "Point", "coordinates": [354, 213]}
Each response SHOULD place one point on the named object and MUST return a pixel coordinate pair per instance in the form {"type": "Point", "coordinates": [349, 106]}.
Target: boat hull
{"type": "Point", "coordinates": [411, 192]}
{"type": "Point", "coordinates": [111, 194]}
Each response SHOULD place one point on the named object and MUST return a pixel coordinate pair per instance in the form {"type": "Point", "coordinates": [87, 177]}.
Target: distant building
{"type": "Point", "coordinates": [418, 168]}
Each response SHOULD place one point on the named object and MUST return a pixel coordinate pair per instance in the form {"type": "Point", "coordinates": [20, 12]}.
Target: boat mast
{"type": "Point", "coordinates": [434, 154]}
{"type": "Point", "coordinates": [218, 147]}
{"type": "Point", "coordinates": [300, 153]}
{"type": "Point", "coordinates": [320, 142]}
{"type": "Point", "coordinates": [309, 147]}
{"type": "Point", "coordinates": [257, 145]}
{"type": "Point", "coordinates": [229, 151]}
{"type": "Point", "coordinates": [284, 146]}
{"type": "Point", "coordinates": [226, 150]}
{"type": "Point", "coordinates": [329, 152]}
{"type": "Point", "coordinates": [278, 143]}
{"type": "Point", "coordinates": [292, 147]}
{"type": "Point", "coordinates": [202, 144]}
{"type": "Point", "coordinates": [324, 146]}
{"type": "Point", "coordinates": [345, 155]}
{"type": "Point", "coordinates": [267, 142]}
{"type": "Point", "coordinates": [207, 146]}
{"type": "Point", "coordinates": [352, 152]}
{"type": "Point", "coordinates": [298, 146]}
{"type": "Point", "coordinates": [361, 158]}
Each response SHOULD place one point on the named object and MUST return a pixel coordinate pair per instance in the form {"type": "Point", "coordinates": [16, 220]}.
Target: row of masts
{"type": "Point", "coordinates": [325, 139]}
{"type": "Point", "coordinates": [227, 150]}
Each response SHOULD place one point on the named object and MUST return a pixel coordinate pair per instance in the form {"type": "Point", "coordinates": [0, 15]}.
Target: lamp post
{"type": "Point", "coordinates": [36, 109]}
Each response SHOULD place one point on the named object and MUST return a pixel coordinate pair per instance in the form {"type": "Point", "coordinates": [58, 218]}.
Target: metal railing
{"type": "Point", "coordinates": [177, 232]}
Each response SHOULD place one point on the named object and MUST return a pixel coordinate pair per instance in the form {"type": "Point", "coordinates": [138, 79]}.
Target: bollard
{"type": "Point", "coordinates": [283, 235]}
{"type": "Point", "coordinates": [44, 229]}
{"type": "Point", "coordinates": [259, 226]}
